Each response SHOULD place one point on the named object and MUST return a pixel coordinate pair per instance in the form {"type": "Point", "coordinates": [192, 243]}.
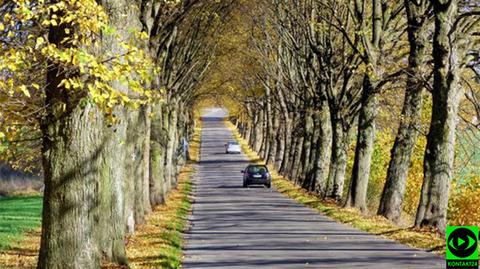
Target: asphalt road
{"type": "Point", "coordinates": [256, 227]}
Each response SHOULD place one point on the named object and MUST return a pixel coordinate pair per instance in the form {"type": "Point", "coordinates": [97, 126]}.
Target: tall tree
{"type": "Point", "coordinates": [418, 17]}
{"type": "Point", "coordinates": [446, 96]}
{"type": "Point", "coordinates": [382, 15]}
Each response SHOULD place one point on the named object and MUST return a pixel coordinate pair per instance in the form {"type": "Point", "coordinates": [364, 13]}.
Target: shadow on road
{"type": "Point", "coordinates": [256, 227]}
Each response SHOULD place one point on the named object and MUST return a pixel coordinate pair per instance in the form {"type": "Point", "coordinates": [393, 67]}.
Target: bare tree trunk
{"type": "Point", "coordinates": [157, 152]}
{"type": "Point", "coordinates": [131, 166]}
{"type": "Point", "coordinates": [324, 147]}
{"type": "Point", "coordinates": [310, 169]}
{"type": "Point", "coordinates": [287, 139]}
{"type": "Point", "coordinates": [259, 133]}
{"type": "Point", "coordinates": [135, 168]}
{"type": "Point", "coordinates": [254, 136]}
{"type": "Point", "coordinates": [145, 189]}
{"type": "Point", "coordinates": [291, 155]}
{"type": "Point", "coordinates": [338, 160]}
{"type": "Point", "coordinates": [72, 148]}
{"type": "Point", "coordinates": [248, 131]}
{"type": "Point", "coordinates": [296, 155]}
{"type": "Point", "coordinates": [391, 203]}
{"type": "Point", "coordinates": [439, 154]}
{"type": "Point", "coordinates": [265, 143]}
{"type": "Point", "coordinates": [280, 142]}
{"type": "Point", "coordinates": [294, 137]}
{"type": "Point", "coordinates": [304, 169]}
{"type": "Point", "coordinates": [269, 131]}
{"type": "Point", "coordinates": [357, 192]}
{"type": "Point", "coordinates": [167, 133]}
{"type": "Point", "coordinates": [247, 126]}
{"type": "Point", "coordinates": [273, 148]}
{"type": "Point", "coordinates": [110, 230]}
{"type": "Point", "coordinates": [170, 166]}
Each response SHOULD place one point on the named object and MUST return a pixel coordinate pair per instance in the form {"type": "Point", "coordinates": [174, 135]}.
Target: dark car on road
{"type": "Point", "coordinates": [256, 174]}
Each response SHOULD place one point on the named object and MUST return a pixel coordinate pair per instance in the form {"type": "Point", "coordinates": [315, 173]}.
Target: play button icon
{"type": "Point", "coordinates": [462, 243]}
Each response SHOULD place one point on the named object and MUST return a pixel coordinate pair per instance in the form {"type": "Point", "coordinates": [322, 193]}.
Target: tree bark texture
{"type": "Point", "coordinates": [391, 203]}
{"type": "Point", "coordinates": [439, 153]}
{"type": "Point", "coordinates": [357, 193]}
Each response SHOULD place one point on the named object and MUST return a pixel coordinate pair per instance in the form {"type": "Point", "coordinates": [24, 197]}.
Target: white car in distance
{"type": "Point", "coordinates": [232, 147]}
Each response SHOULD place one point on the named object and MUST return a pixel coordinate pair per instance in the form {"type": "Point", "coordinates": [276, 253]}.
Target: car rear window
{"type": "Point", "coordinates": [257, 169]}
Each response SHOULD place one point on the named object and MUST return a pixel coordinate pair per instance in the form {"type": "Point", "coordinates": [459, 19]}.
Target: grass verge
{"type": "Point", "coordinates": [417, 238]}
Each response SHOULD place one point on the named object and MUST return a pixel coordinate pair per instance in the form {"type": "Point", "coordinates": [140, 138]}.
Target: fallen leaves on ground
{"type": "Point", "coordinates": [23, 254]}
{"type": "Point", "coordinates": [158, 244]}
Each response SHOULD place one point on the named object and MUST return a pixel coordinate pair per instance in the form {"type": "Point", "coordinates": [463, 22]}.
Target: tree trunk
{"type": "Point", "coordinates": [293, 136]}
{"type": "Point", "coordinates": [324, 148]}
{"type": "Point", "coordinates": [272, 151]}
{"type": "Point", "coordinates": [259, 133]}
{"type": "Point", "coordinates": [248, 131]}
{"type": "Point", "coordinates": [391, 203]}
{"type": "Point", "coordinates": [439, 154]}
{"type": "Point", "coordinates": [131, 165]}
{"type": "Point", "coordinates": [296, 155]}
{"type": "Point", "coordinates": [311, 167]}
{"type": "Point", "coordinates": [145, 196]}
{"type": "Point", "coordinates": [338, 163]}
{"type": "Point", "coordinates": [287, 139]}
{"type": "Point", "coordinates": [117, 188]}
{"type": "Point", "coordinates": [254, 133]}
{"type": "Point", "coordinates": [269, 131]}
{"type": "Point", "coordinates": [357, 193]}
{"type": "Point", "coordinates": [157, 152]}
{"type": "Point", "coordinates": [110, 230]}
{"type": "Point", "coordinates": [265, 143]}
{"type": "Point", "coordinates": [178, 132]}
{"type": "Point", "coordinates": [304, 173]}
{"type": "Point", "coordinates": [291, 155]}
{"type": "Point", "coordinates": [167, 159]}
{"type": "Point", "coordinates": [182, 135]}
{"type": "Point", "coordinates": [170, 164]}
{"type": "Point", "coordinates": [71, 150]}
{"type": "Point", "coordinates": [79, 178]}
{"type": "Point", "coordinates": [135, 168]}
{"type": "Point", "coordinates": [245, 130]}
{"type": "Point", "coordinates": [280, 142]}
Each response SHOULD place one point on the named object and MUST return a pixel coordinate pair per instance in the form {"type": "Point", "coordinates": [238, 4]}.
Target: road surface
{"type": "Point", "coordinates": [256, 227]}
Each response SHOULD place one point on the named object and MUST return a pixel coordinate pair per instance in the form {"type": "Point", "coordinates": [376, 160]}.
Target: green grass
{"type": "Point", "coordinates": [174, 231]}
{"type": "Point", "coordinates": [18, 214]}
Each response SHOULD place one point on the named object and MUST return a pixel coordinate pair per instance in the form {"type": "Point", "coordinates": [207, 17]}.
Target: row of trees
{"type": "Point", "coordinates": [325, 65]}
{"type": "Point", "coordinates": [102, 92]}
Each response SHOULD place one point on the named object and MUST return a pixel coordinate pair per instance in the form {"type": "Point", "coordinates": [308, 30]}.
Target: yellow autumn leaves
{"type": "Point", "coordinates": [99, 65]}
{"type": "Point", "coordinates": [109, 76]}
